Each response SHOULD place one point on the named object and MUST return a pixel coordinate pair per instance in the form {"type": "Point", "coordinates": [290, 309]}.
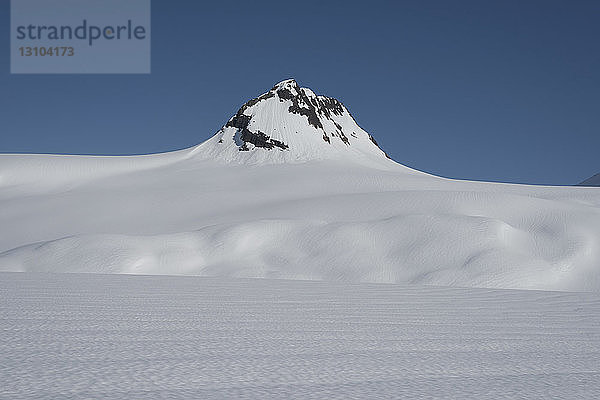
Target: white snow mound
{"type": "Point", "coordinates": [282, 193]}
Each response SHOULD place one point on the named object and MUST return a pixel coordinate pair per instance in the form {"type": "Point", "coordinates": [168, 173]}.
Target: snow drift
{"type": "Point", "coordinates": [291, 187]}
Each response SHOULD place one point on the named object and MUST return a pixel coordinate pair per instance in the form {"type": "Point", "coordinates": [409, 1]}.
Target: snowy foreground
{"type": "Point", "coordinates": [77, 336]}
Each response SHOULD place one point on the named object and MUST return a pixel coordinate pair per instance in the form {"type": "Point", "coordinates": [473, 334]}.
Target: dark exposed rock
{"type": "Point", "coordinates": [376, 144]}
{"type": "Point", "coordinates": [344, 138]}
{"type": "Point", "coordinates": [252, 102]}
{"type": "Point", "coordinates": [278, 143]}
{"type": "Point", "coordinates": [328, 106]}
{"type": "Point", "coordinates": [301, 105]}
{"type": "Point", "coordinates": [313, 106]}
{"type": "Point", "coordinates": [341, 133]}
{"type": "Point", "coordinates": [374, 141]}
{"type": "Point", "coordinates": [309, 113]}
{"type": "Point", "coordinates": [259, 139]}
{"type": "Point", "coordinates": [239, 120]}
{"type": "Point", "coordinates": [317, 110]}
{"type": "Point", "coordinates": [285, 94]}
{"type": "Point", "coordinates": [289, 82]}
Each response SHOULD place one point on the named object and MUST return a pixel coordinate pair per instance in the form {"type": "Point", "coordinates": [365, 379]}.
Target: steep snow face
{"type": "Point", "coordinates": [292, 124]}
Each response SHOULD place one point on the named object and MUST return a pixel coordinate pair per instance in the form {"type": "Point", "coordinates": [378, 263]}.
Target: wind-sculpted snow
{"type": "Point", "coordinates": [422, 249]}
{"type": "Point", "coordinates": [75, 336]}
{"type": "Point", "coordinates": [267, 196]}
{"type": "Point", "coordinates": [321, 220]}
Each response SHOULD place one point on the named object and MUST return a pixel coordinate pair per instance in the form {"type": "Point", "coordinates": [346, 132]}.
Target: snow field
{"type": "Point", "coordinates": [74, 336]}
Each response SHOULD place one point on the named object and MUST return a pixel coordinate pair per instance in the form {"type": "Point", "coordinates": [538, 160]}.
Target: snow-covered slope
{"type": "Point", "coordinates": [269, 196]}
{"type": "Point", "coordinates": [593, 181]}
{"type": "Point", "coordinates": [146, 337]}
{"type": "Point", "coordinates": [291, 124]}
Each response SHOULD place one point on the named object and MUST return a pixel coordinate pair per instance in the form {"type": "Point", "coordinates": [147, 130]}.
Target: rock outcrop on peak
{"type": "Point", "coordinates": [291, 123]}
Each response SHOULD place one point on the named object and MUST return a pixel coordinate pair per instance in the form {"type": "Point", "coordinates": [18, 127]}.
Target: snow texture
{"type": "Point", "coordinates": [292, 124]}
{"type": "Point", "coordinates": [269, 197]}
{"type": "Point", "coordinates": [77, 336]}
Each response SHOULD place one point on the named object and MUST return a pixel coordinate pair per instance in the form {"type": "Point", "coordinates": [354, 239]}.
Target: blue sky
{"type": "Point", "coordinates": [489, 90]}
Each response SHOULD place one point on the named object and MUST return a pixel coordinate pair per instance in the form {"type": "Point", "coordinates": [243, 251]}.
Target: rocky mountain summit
{"type": "Point", "coordinates": [291, 123]}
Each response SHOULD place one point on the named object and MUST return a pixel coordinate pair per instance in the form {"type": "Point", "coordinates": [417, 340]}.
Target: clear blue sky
{"type": "Point", "coordinates": [489, 90]}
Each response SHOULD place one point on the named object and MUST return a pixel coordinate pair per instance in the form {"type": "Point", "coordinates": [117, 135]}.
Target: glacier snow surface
{"type": "Point", "coordinates": [80, 336]}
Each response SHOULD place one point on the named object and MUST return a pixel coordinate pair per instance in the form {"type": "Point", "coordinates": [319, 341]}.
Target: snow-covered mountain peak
{"type": "Point", "coordinates": [289, 84]}
{"type": "Point", "coordinates": [292, 124]}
